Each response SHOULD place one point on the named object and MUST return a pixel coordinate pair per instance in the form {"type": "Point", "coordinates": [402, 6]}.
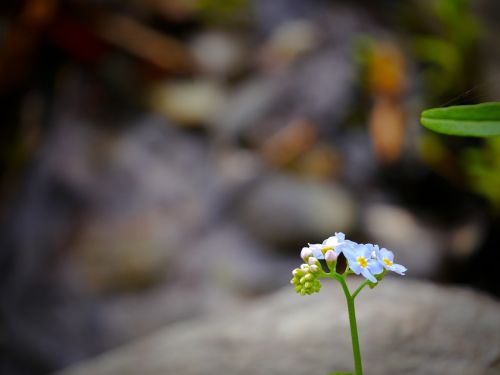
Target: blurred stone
{"type": "Point", "coordinates": [188, 103]}
{"type": "Point", "coordinates": [215, 273]}
{"type": "Point", "coordinates": [237, 167]}
{"type": "Point", "coordinates": [146, 201]}
{"type": "Point", "coordinates": [466, 239]}
{"type": "Point", "coordinates": [405, 327]}
{"type": "Point", "coordinates": [218, 54]}
{"type": "Point", "coordinates": [322, 162]}
{"type": "Point", "coordinates": [126, 253]}
{"type": "Point", "coordinates": [285, 211]}
{"type": "Point", "coordinates": [246, 105]}
{"type": "Point", "coordinates": [289, 142]}
{"type": "Point", "coordinates": [127, 316]}
{"type": "Point", "coordinates": [420, 248]}
{"type": "Point", "coordinates": [288, 42]}
{"type": "Point", "coordinates": [360, 163]}
{"type": "Point", "coordinates": [270, 15]}
{"type": "Point", "coordinates": [229, 259]}
{"type": "Point", "coordinates": [323, 86]}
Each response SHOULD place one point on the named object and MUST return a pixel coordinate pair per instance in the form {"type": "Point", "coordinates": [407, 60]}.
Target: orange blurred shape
{"type": "Point", "coordinates": [321, 163]}
{"type": "Point", "coordinates": [37, 13]}
{"type": "Point", "coordinates": [290, 142]}
{"type": "Point", "coordinates": [387, 129]}
{"type": "Point", "coordinates": [386, 70]}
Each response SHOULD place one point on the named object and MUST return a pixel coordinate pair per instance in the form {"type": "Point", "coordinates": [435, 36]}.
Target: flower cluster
{"type": "Point", "coordinates": [362, 259]}
{"type": "Point", "coordinates": [305, 278]}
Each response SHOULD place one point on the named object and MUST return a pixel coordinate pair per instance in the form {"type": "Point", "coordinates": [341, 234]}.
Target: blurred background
{"type": "Point", "coordinates": [168, 159]}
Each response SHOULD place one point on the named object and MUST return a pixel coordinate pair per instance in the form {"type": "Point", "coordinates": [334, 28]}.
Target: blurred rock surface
{"type": "Point", "coordinates": [189, 103]}
{"type": "Point", "coordinates": [406, 327]}
{"type": "Point", "coordinates": [417, 244]}
{"type": "Point", "coordinates": [284, 211]}
{"type": "Point", "coordinates": [218, 54]}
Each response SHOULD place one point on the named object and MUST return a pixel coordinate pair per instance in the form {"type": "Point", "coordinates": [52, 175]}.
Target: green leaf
{"type": "Point", "coordinates": [478, 120]}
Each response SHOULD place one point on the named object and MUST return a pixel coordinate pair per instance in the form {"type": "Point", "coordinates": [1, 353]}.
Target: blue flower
{"type": "Point", "coordinates": [336, 243]}
{"type": "Point", "coordinates": [360, 260]}
{"type": "Point", "coordinates": [386, 259]}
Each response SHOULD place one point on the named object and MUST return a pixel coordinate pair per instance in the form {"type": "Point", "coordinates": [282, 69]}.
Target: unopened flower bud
{"type": "Point", "coordinates": [312, 261]}
{"type": "Point", "coordinates": [314, 268]}
{"type": "Point", "coordinates": [330, 256]}
{"type": "Point", "coordinates": [305, 253]}
{"type": "Point", "coordinates": [304, 267]}
{"type": "Point", "coordinates": [297, 272]}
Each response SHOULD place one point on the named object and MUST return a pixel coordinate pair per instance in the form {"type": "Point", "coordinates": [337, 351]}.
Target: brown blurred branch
{"type": "Point", "coordinates": [160, 50]}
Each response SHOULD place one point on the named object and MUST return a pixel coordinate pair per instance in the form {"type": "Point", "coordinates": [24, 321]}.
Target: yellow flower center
{"type": "Point", "coordinates": [362, 261]}
{"type": "Point", "coordinates": [387, 262]}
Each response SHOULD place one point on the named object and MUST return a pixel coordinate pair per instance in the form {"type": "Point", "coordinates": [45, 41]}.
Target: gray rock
{"type": "Point", "coordinates": [322, 86]}
{"type": "Point", "coordinates": [190, 103]}
{"type": "Point", "coordinates": [422, 246]}
{"type": "Point", "coordinates": [270, 14]}
{"type": "Point", "coordinates": [231, 261]}
{"type": "Point", "coordinates": [288, 42]}
{"type": "Point", "coordinates": [418, 246]}
{"type": "Point", "coordinates": [145, 201]}
{"type": "Point", "coordinates": [218, 54]}
{"type": "Point", "coordinates": [285, 211]}
{"type": "Point", "coordinates": [405, 328]}
{"type": "Point", "coordinates": [247, 105]}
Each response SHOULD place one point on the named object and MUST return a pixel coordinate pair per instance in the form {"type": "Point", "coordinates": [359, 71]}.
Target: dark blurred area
{"type": "Point", "coordinates": [167, 159]}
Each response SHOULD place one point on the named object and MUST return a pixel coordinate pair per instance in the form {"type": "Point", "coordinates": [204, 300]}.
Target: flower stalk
{"type": "Point", "coordinates": [356, 352]}
{"type": "Point", "coordinates": [362, 259]}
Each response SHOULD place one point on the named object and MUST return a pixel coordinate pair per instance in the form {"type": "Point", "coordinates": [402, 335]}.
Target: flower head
{"type": "Point", "coordinates": [386, 260]}
{"type": "Point", "coordinates": [367, 260]}
{"type": "Point", "coordinates": [334, 243]}
{"type": "Point", "coordinates": [359, 258]}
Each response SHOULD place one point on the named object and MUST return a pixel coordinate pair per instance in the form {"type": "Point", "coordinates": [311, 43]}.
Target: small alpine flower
{"type": "Point", "coordinates": [362, 259]}
{"type": "Point", "coordinates": [386, 259]}
{"type": "Point", "coordinates": [359, 258]}
{"type": "Point", "coordinates": [334, 243]}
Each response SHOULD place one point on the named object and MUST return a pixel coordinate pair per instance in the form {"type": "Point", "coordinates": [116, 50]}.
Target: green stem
{"type": "Point", "coordinates": [360, 288]}
{"type": "Point", "coordinates": [358, 369]}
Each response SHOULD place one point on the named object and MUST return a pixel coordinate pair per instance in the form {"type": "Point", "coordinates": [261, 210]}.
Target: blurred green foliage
{"type": "Point", "coordinates": [447, 49]}
{"type": "Point", "coordinates": [227, 12]}
{"type": "Point", "coordinates": [482, 166]}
